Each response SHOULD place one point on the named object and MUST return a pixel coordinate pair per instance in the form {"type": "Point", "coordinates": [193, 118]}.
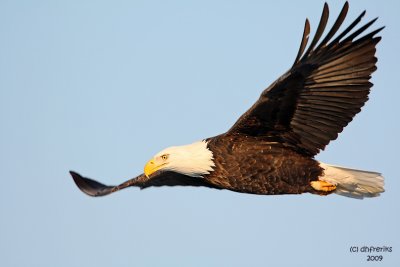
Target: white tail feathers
{"type": "Point", "coordinates": [353, 183]}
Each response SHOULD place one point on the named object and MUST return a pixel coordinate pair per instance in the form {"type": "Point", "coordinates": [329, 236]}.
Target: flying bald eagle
{"type": "Point", "coordinates": [270, 149]}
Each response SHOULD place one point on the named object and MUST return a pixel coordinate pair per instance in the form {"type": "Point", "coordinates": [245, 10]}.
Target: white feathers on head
{"type": "Point", "coordinates": [193, 160]}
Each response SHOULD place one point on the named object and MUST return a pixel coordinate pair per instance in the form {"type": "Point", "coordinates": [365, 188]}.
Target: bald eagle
{"type": "Point", "coordinates": [271, 148]}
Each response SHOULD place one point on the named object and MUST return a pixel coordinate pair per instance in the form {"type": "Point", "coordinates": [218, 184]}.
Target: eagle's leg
{"type": "Point", "coordinates": [323, 186]}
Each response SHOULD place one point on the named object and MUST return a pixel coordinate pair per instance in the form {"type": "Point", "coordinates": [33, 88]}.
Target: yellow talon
{"type": "Point", "coordinates": [323, 186]}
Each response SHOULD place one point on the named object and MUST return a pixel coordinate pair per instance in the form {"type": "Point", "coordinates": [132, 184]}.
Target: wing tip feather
{"type": "Point", "coordinates": [90, 187]}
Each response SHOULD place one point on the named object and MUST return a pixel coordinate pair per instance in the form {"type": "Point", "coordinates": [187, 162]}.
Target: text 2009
{"type": "Point", "coordinates": [374, 258]}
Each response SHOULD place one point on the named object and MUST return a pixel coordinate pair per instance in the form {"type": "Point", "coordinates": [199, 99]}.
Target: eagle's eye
{"type": "Point", "coordinates": [164, 157]}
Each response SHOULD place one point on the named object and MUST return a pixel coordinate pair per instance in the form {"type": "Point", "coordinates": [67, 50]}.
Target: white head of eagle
{"type": "Point", "coordinates": [193, 160]}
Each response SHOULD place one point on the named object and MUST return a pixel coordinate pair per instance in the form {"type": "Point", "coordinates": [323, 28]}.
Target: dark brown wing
{"type": "Point", "coordinates": [96, 189]}
{"type": "Point", "coordinates": [326, 87]}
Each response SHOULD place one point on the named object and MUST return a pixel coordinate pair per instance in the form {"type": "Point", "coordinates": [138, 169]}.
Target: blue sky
{"type": "Point", "coordinates": [101, 86]}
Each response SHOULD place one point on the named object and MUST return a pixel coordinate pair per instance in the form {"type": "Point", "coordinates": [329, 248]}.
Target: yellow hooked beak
{"type": "Point", "coordinates": [151, 167]}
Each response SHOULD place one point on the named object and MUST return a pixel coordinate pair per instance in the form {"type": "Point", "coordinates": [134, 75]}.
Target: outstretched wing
{"type": "Point", "coordinates": [96, 189]}
{"type": "Point", "coordinates": [326, 87]}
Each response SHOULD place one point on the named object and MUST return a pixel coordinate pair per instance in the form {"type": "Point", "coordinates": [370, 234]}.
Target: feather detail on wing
{"type": "Point", "coordinates": [326, 87]}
